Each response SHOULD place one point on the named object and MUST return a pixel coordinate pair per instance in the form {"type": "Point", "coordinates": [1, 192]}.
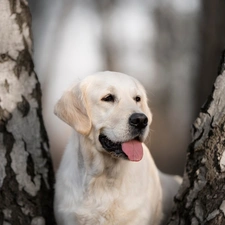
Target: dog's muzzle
{"type": "Point", "coordinates": [131, 150]}
{"type": "Point", "coordinates": [114, 148]}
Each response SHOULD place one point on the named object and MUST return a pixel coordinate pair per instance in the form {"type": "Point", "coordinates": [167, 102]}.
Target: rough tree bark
{"type": "Point", "coordinates": [201, 198]}
{"type": "Point", "coordinates": [26, 175]}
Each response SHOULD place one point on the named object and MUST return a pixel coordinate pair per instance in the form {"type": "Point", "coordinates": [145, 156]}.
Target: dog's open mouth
{"type": "Point", "coordinates": [131, 150]}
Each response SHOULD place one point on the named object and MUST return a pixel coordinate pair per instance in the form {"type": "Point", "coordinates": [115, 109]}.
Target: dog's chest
{"type": "Point", "coordinates": [106, 205]}
{"type": "Point", "coordinates": [107, 212]}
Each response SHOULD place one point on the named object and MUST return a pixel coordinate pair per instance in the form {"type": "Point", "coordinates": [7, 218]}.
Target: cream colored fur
{"type": "Point", "coordinates": [93, 187]}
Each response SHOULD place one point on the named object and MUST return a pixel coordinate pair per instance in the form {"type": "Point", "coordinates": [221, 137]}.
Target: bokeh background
{"type": "Point", "coordinates": [172, 46]}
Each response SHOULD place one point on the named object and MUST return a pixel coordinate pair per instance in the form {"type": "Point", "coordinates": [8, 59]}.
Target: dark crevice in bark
{"type": "Point", "coordinates": [5, 116]}
{"type": "Point", "coordinates": [23, 60]}
{"type": "Point", "coordinates": [36, 93]}
{"type": "Point", "coordinates": [211, 123]}
{"type": "Point", "coordinates": [215, 158]}
{"type": "Point", "coordinates": [208, 102]}
{"type": "Point", "coordinates": [6, 85]}
{"type": "Point", "coordinates": [23, 106]}
{"type": "Point", "coordinates": [221, 66]}
{"type": "Point", "coordinates": [30, 164]}
{"type": "Point", "coordinates": [1, 218]}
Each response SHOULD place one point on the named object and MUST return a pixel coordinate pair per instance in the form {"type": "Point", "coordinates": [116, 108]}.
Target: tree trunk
{"type": "Point", "coordinates": [201, 198]}
{"type": "Point", "coordinates": [26, 175]}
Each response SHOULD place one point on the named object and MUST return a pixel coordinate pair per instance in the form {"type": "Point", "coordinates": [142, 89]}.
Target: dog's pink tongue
{"type": "Point", "coordinates": [133, 149]}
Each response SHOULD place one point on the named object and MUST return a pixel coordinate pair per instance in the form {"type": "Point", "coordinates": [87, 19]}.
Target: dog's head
{"type": "Point", "coordinates": [112, 109]}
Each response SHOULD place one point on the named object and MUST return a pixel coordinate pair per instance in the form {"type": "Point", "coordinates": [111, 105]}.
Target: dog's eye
{"type": "Point", "coordinates": [137, 98]}
{"type": "Point", "coordinates": [108, 98]}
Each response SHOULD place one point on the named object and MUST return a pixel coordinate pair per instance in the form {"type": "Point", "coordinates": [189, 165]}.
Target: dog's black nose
{"type": "Point", "coordinates": [138, 120]}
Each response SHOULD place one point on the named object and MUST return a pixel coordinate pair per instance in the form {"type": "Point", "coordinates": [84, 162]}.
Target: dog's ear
{"type": "Point", "coordinates": [72, 109]}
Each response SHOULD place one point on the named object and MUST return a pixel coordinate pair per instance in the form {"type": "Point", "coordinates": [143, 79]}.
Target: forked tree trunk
{"type": "Point", "coordinates": [26, 175]}
{"type": "Point", "coordinates": [201, 198]}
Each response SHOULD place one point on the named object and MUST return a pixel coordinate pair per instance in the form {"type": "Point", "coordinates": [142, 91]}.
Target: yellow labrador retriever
{"type": "Point", "coordinates": [107, 175]}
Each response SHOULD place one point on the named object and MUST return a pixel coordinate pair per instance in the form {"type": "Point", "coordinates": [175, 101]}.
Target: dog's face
{"type": "Point", "coordinates": [112, 108]}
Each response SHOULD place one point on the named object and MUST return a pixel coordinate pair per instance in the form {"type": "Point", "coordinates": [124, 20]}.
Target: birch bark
{"type": "Point", "coordinates": [201, 198]}
{"type": "Point", "coordinates": [26, 175]}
